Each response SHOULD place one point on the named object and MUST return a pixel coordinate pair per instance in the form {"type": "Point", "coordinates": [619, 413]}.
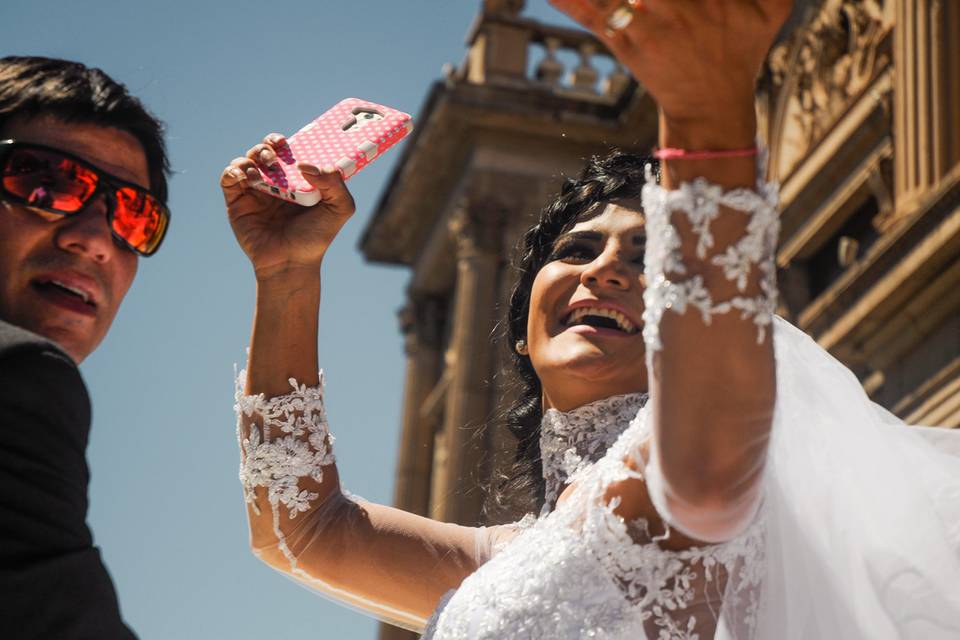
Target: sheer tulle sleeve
{"type": "Point", "coordinates": [385, 562]}
{"type": "Point", "coordinates": [709, 301]}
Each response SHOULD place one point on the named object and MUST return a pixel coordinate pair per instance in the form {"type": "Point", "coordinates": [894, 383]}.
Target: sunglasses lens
{"type": "Point", "coordinates": [55, 182]}
{"type": "Point", "coordinates": [139, 219]}
{"type": "Point", "coordinates": [47, 180]}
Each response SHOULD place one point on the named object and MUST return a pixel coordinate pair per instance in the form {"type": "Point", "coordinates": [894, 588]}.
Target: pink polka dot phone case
{"type": "Point", "coordinates": [349, 136]}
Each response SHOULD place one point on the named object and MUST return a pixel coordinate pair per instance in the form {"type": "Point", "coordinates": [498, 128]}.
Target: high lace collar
{"type": "Point", "coordinates": [573, 440]}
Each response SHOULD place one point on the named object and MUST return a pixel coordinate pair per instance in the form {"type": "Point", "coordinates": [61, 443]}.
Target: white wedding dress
{"type": "Point", "coordinates": [857, 534]}
{"type": "Point", "coordinates": [580, 571]}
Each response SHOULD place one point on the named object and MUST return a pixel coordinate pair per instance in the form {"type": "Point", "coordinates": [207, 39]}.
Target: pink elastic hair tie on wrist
{"type": "Point", "coordinates": [683, 154]}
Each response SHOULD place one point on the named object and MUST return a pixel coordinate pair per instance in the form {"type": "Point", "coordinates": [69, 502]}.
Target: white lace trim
{"type": "Point", "coordinates": [292, 441]}
{"type": "Point", "coordinates": [700, 201]}
{"type": "Point", "coordinates": [666, 585]}
{"type": "Point", "coordinates": [581, 571]}
{"type": "Point", "coordinates": [571, 441]}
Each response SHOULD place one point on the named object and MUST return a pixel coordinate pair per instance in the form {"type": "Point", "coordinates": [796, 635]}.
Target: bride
{"type": "Point", "coordinates": [707, 470]}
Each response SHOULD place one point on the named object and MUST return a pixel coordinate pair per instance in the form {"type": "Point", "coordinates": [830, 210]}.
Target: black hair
{"type": "Point", "coordinates": [618, 175]}
{"type": "Point", "coordinates": [32, 86]}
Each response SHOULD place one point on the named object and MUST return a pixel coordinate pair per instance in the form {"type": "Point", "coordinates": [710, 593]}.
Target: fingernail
{"type": "Point", "coordinates": [329, 168]}
{"type": "Point", "coordinates": [309, 168]}
{"type": "Point", "coordinates": [237, 173]}
{"type": "Point", "coordinates": [267, 158]}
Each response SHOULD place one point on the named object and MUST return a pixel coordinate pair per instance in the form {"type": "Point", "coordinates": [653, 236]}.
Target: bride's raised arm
{"type": "Point", "coordinates": [711, 226]}
{"type": "Point", "coordinates": [392, 564]}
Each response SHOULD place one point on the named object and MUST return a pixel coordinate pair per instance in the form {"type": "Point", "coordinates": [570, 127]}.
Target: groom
{"type": "Point", "coordinates": [82, 185]}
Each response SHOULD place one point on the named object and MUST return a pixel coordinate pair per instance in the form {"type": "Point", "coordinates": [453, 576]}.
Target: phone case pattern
{"type": "Point", "coordinates": [325, 141]}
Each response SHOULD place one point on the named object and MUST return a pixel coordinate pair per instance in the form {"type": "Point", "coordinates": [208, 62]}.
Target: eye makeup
{"type": "Point", "coordinates": [575, 246]}
{"type": "Point", "coordinates": [587, 245]}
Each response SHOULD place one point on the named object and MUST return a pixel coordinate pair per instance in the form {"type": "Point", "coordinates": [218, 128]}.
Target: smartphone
{"type": "Point", "coordinates": [349, 136]}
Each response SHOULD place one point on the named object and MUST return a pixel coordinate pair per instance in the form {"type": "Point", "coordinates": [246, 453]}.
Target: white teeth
{"type": "Point", "coordinates": [622, 322]}
{"type": "Point", "coordinates": [82, 294]}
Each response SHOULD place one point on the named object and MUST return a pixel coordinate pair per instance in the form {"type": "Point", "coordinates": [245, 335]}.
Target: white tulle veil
{"type": "Point", "coordinates": [864, 511]}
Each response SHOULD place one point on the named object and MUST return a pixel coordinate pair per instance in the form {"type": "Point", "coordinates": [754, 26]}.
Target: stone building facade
{"type": "Point", "coordinates": [859, 106]}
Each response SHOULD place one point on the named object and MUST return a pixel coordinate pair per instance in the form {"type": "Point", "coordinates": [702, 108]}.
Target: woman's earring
{"type": "Point", "coordinates": [521, 347]}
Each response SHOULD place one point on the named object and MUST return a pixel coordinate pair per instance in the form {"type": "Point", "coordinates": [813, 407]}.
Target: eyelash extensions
{"type": "Point", "coordinates": [578, 249]}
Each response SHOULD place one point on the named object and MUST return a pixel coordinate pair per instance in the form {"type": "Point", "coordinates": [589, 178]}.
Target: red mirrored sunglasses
{"type": "Point", "coordinates": [58, 182]}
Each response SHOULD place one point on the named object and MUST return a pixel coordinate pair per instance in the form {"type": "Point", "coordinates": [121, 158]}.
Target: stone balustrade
{"type": "Point", "coordinates": [529, 55]}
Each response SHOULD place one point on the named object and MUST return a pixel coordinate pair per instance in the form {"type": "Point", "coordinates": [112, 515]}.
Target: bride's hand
{"type": "Point", "coordinates": [698, 58]}
{"type": "Point", "coordinates": [280, 236]}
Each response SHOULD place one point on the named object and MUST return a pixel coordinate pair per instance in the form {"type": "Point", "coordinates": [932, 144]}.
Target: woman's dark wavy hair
{"type": "Point", "coordinates": [618, 175]}
{"type": "Point", "coordinates": [32, 86]}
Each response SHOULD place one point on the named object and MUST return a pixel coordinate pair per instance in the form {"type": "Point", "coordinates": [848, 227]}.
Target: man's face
{"type": "Point", "coordinates": [64, 277]}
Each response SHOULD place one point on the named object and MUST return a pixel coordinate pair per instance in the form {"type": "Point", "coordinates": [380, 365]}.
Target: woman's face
{"type": "Point", "coordinates": [584, 325]}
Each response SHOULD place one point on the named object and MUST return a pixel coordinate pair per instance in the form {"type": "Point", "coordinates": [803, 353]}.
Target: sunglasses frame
{"type": "Point", "coordinates": [107, 183]}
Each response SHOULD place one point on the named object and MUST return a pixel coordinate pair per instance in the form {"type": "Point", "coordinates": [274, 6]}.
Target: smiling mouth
{"type": "Point", "coordinates": [67, 295]}
{"type": "Point", "coordinates": [600, 319]}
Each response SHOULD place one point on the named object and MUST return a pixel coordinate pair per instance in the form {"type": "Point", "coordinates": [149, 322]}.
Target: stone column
{"type": "Point", "coordinates": [926, 101]}
{"type": "Point", "coordinates": [422, 323]}
{"type": "Point", "coordinates": [477, 230]}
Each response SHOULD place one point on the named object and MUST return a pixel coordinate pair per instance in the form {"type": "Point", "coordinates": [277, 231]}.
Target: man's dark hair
{"type": "Point", "coordinates": [618, 175]}
{"type": "Point", "coordinates": [74, 93]}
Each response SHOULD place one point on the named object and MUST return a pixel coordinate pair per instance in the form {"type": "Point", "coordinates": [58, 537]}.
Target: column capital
{"type": "Point", "coordinates": [477, 227]}
{"type": "Point", "coordinates": [421, 321]}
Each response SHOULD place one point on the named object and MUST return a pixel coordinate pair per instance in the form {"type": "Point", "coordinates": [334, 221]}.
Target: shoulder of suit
{"type": "Point", "coordinates": [36, 369]}
{"type": "Point", "coordinates": [14, 339]}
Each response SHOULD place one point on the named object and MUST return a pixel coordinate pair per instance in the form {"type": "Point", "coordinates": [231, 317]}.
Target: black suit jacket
{"type": "Point", "coordinates": [52, 581]}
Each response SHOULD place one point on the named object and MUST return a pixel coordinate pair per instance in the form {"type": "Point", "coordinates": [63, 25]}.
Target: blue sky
{"type": "Point", "coordinates": [166, 506]}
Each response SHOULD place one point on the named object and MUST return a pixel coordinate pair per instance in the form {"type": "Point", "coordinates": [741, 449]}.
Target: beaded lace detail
{"type": "Point", "coordinates": [292, 442]}
{"type": "Point", "coordinates": [571, 441]}
{"type": "Point", "coordinates": [700, 202]}
{"type": "Point", "coordinates": [581, 571]}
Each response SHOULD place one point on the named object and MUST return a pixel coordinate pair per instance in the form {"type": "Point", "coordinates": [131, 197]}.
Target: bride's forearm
{"type": "Point", "coordinates": [301, 521]}
{"type": "Point", "coordinates": [283, 344]}
{"type": "Point", "coordinates": [712, 385]}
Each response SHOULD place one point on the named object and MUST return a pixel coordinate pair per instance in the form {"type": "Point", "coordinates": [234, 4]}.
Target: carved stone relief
{"type": "Point", "coordinates": [813, 76]}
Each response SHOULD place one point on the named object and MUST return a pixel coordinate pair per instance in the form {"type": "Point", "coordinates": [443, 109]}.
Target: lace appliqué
{"type": "Point", "coordinates": [700, 202]}
{"type": "Point", "coordinates": [680, 594]}
{"type": "Point", "coordinates": [571, 441]}
{"type": "Point", "coordinates": [581, 571]}
{"type": "Point", "coordinates": [293, 441]}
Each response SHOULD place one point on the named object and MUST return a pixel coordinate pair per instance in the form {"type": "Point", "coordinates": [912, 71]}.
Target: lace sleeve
{"type": "Point", "coordinates": [338, 545]}
{"type": "Point", "coordinates": [492, 540]}
{"type": "Point", "coordinates": [700, 203]}
{"type": "Point", "coordinates": [688, 271]}
{"type": "Point", "coordinates": [291, 442]}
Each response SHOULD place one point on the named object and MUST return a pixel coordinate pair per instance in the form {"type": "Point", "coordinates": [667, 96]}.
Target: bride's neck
{"type": "Point", "coordinates": [577, 395]}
